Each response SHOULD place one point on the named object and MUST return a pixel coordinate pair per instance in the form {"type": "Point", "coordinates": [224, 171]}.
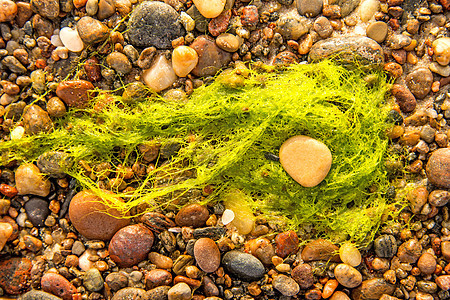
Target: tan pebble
{"type": "Point", "coordinates": [210, 8]}
{"type": "Point", "coordinates": [160, 75]}
{"type": "Point", "coordinates": [276, 260]}
{"type": "Point", "coordinates": [347, 275]}
{"type": "Point", "coordinates": [6, 231]}
{"type": "Point", "coordinates": [29, 180]}
{"type": "Point", "coordinates": [349, 254]}
{"type": "Point", "coordinates": [395, 132]}
{"type": "Point", "coordinates": [305, 159]}
{"type": "Point", "coordinates": [184, 59]}
{"type": "Point", "coordinates": [161, 261]}
{"type": "Point", "coordinates": [368, 8]}
{"type": "Point", "coordinates": [193, 272]}
{"type": "Point", "coordinates": [411, 58]}
{"type": "Point", "coordinates": [338, 295]}
{"type": "Point", "coordinates": [377, 31]}
{"type": "Point", "coordinates": [426, 263]}
{"type": "Point", "coordinates": [284, 268]}
{"type": "Point", "coordinates": [227, 42]}
{"type": "Point", "coordinates": [441, 49]}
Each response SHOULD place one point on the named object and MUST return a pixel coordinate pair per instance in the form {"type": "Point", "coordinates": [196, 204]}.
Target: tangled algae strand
{"type": "Point", "coordinates": [227, 131]}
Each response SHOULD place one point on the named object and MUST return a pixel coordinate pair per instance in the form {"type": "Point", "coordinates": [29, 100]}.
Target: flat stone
{"type": "Point", "coordinates": [377, 31]}
{"type": "Point", "coordinates": [419, 82]}
{"type": "Point", "coordinates": [438, 168]}
{"type": "Point", "coordinates": [92, 31]}
{"type": "Point", "coordinates": [15, 274]}
{"type": "Point", "coordinates": [367, 9]}
{"type": "Point", "coordinates": [309, 8]}
{"type": "Point", "coordinates": [74, 93]}
{"type": "Point", "coordinates": [129, 293]}
{"type": "Point", "coordinates": [286, 243]}
{"type": "Point", "coordinates": [194, 215]}
{"type": "Point", "coordinates": [46, 8]}
{"type": "Point", "coordinates": [207, 255]}
{"type": "Point", "coordinates": [305, 159]}
{"type": "Point", "coordinates": [38, 295]}
{"type": "Point", "coordinates": [210, 8]}
{"type": "Point", "coordinates": [154, 23]}
{"type": "Point", "coordinates": [210, 57]}
{"type": "Point", "coordinates": [160, 75]}
{"type": "Point", "coordinates": [13, 64]}
{"type": "Point", "coordinates": [320, 249]}
{"type": "Point", "coordinates": [58, 285]}
{"type": "Point", "coordinates": [36, 120]}
{"type": "Point", "coordinates": [228, 42]}
{"type": "Point", "coordinates": [286, 285]}
{"type": "Point", "coordinates": [435, 67]}
{"type": "Point", "coordinates": [184, 59]}
{"type": "Point", "coordinates": [441, 49]}
{"type": "Point", "coordinates": [243, 265]}
{"type": "Point", "coordinates": [93, 219]}
{"type": "Point", "coordinates": [29, 180]}
{"type": "Point", "coordinates": [347, 275]}
{"type": "Point", "coordinates": [373, 289]}
{"type": "Point", "coordinates": [131, 245]}
{"type": "Point", "coordinates": [8, 10]}
{"type": "Point", "coordinates": [443, 282]}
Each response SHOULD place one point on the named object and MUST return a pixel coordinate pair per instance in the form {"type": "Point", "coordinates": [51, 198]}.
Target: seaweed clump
{"type": "Point", "coordinates": [227, 135]}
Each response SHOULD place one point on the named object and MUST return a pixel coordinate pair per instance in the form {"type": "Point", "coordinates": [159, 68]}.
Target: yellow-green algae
{"type": "Point", "coordinates": [228, 128]}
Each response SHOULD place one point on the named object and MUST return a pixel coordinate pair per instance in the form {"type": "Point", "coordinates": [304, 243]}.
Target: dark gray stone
{"type": "Point", "coordinates": [385, 246]}
{"type": "Point", "coordinates": [154, 23]}
{"type": "Point", "coordinates": [213, 233]}
{"type": "Point", "coordinates": [243, 265]}
{"type": "Point", "coordinates": [37, 211]}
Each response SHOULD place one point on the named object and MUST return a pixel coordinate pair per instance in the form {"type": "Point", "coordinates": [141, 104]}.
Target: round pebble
{"type": "Point", "coordinates": [184, 59]}
{"type": "Point", "coordinates": [29, 180]}
{"type": "Point", "coordinates": [180, 291]}
{"type": "Point", "coordinates": [349, 254]}
{"type": "Point", "coordinates": [207, 255]}
{"type": "Point", "coordinates": [409, 251]}
{"type": "Point", "coordinates": [58, 285]}
{"type": "Point", "coordinates": [303, 275]}
{"type": "Point", "coordinates": [438, 168]}
{"type": "Point", "coordinates": [309, 8]}
{"type": "Point", "coordinates": [119, 62]}
{"type": "Point", "coordinates": [157, 277]}
{"type": "Point", "coordinates": [347, 275]}
{"type": "Point", "coordinates": [194, 215]}
{"type": "Point", "coordinates": [36, 120]}
{"type": "Point", "coordinates": [286, 285]}
{"type": "Point", "coordinates": [320, 249]}
{"type": "Point", "coordinates": [210, 8]}
{"type": "Point", "coordinates": [439, 198]}
{"type": "Point", "coordinates": [419, 82]}
{"type": "Point", "coordinates": [305, 159]}
{"type": "Point", "coordinates": [228, 42]}
{"type": "Point", "coordinates": [92, 31]}
{"type": "Point", "coordinates": [55, 107]}
{"type": "Point", "coordinates": [37, 211]}
{"type": "Point", "coordinates": [8, 10]}
{"type": "Point", "coordinates": [71, 39]}
{"type": "Point", "coordinates": [128, 293]}
{"type": "Point", "coordinates": [286, 243]}
{"type": "Point", "coordinates": [93, 280]}
{"type": "Point", "coordinates": [243, 265]}
{"type": "Point", "coordinates": [377, 31]}
{"type": "Point", "coordinates": [427, 263]}
{"type": "Point", "coordinates": [385, 246]}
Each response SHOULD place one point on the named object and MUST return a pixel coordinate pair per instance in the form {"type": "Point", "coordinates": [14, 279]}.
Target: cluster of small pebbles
{"type": "Point", "coordinates": [60, 243]}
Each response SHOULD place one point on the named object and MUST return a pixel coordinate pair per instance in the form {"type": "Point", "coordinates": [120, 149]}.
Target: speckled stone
{"type": "Point", "coordinates": [404, 98]}
{"type": "Point", "coordinates": [54, 163]}
{"type": "Point", "coordinates": [320, 249]}
{"type": "Point", "coordinates": [285, 285]}
{"type": "Point", "coordinates": [303, 275]}
{"type": "Point", "coordinates": [210, 57]}
{"type": "Point", "coordinates": [38, 295]}
{"type": "Point", "coordinates": [74, 93]}
{"type": "Point", "coordinates": [419, 82]}
{"type": "Point", "coordinates": [385, 246]}
{"type": "Point", "coordinates": [46, 8]}
{"type": "Point", "coordinates": [58, 285]}
{"type": "Point", "coordinates": [207, 255]}
{"type": "Point", "coordinates": [438, 168]}
{"type": "Point", "coordinates": [409, 251]}
{"type": "Point", "coordinates": [8, 10]}
{"type": "Point", "coordinates": [133, 293]}
{"type": "Point", "coordinates": [347, 276]}
{"type": "Point", "coordinates": [373, 289]}
{"type": "Point", "coordinates": [286, 243]}
{"type": "Point", "coordinates": [36, 120]}
{"type": "Point", "coordinates": [92, 31]}
{"type": "Point", "coordinates": [15, 274]}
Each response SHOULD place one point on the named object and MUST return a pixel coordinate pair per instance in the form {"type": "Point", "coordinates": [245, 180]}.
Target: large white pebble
{"type": "Point", "coordinates": [368, 8]}
{"type": "Point", "coordinates": [70, 39]}
{"type": "Point", "coordinates": [441, 48]}
{"type": "Point", "coordinates": [305, 159]}
{"type": "Point", "coordinates": [184, 60]}
{"type": "Point", "coordinates": [349, 254]}
{"type": "Point", "coordinates": [210, 8]}
{"type": "Point", "coordinates": [160, 75]}
{"type": "Point", "coordinates": [17, 133]}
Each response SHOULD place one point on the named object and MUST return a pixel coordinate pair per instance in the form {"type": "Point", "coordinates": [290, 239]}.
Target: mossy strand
{"type": "Point", "coordinates": [227, 128]}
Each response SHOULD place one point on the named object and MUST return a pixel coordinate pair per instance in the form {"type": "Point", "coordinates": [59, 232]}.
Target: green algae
{"type": "Point", "coordinates": [228, 132]}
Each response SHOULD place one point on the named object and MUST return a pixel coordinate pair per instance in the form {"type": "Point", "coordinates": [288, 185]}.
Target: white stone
{"type": "Point", "coordinates": [56, 41]}
{"type": "Point", "coordinates": [441, 48]}
{"type": "Point", "coordinates": [368, 8]}
{"type": "Point", "coordinates": [17, 133]}
{"type": "Point", "coordinates": [29, 180]}
{"type": "Point", "coordinates": [184, 60]}
{"type": "Point", "coordinates": [305, 159]}
{"type": "Point", "coordinates": [227, 216]}
{"type": "Point", "coordinates": [6, 231]}
{"type": "Point", "coordinates": [83, 262]}
{"type": "Point", "coordinates": [444, 71]}
{"type": "Point", "coordinates": [70, 39]}
{"type": "Point", "coordinates": [187, 21]}
{"type": "Point", "coordinates": [349, 254]}
{"type": "Point", "coordinates": [210, 8]}
{"type": "Point", "coordinates": [160, 75]}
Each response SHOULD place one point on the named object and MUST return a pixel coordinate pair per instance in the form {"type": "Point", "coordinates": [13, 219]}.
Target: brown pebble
{"type": "Point", "coordinates": [36, 120]}
{"type": "Point", "coordinates": [58, 285]}
{"type": "Point", "coordinates": [55, 107]}
{"type": "Point", "coordinates": [74, 92]}
{"type": "Point", "coordinates": [286, 243]}
{"type": "Point", "coordinates": [194, 215]}
{"type": "Point", "coordinates": [438, 168]}
{"type": "Point", "coordinates": [219, 24]}
{"type": "Point", "coordinates": [207, 255]}
{"type": "Point", "coordinates": [427, 263]}
{"type": "Point", "coordinates": [419, 82]}
{"type": "Point", "coordinates": [161, 261]}
{"type": "Point", "coordinates": [303, 275]}
{"type": "Point", "coordinates": [409, 251]}
{"type": "Point", "coordinates": [377, 31]}
{"type": "Point", "coordinates": [320, 249]}
{"type": "Point", "coordinates": [193, 283]}
{"type": "Point", "coordinates": [394, 69]}
{"type": "Point", "coordinates": [14, 275]}
{"type": "Point", "coordinates": [8, 10]}
{"type": "Point", "coordinates": [405, 99]}
{"type": "Point", "coordinates": [347, 275]}
{"type": "Point", "coordinates": [157, 277]}
{"type": "Point", "coordinates": [443, 282]}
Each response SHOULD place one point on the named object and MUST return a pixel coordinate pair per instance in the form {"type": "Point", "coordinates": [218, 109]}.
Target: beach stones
{"type": "Point", "coordinates": [438, 168]}
{"type": "Point", "coordinates": [427, 263]}
{"type": "Point", "coordinates": [154, 23]}
{"type": "Point", "coordinates": [180, 291]}
{"type": "Point", "coordinates": [320, 249]}
{"type": "Point", "coordinates": [404, 98]}
{"type": "Point", "coordinates": [46, 8]}
{"type": "Point", "coordinates": [29, 180]}
{"type": "Point", "coordinates": [37, 211]}
{"type": "Point", "coordinates": [91, 216]}
{"type": "Point", "coordinates": [58, 285]}
{"type": "Point", "coordinates": [184, 59]}
{"type": "Point", "coordinates": [243, 265]}
{"type": "Point", "coordinates": [373, 289]}
{"type": "Point", "coordinates": [119, 62]}
{"type": "Point", "coordinates": [194, 215]}
{"type": "Point", "coordinates": [14, 275]}
{"type": "Point", "coordinates": [303, 275]}
{"type": "Point", "coordinates": [38, 295]}
{"type": "Point", "coordinates": [305, 159]}
{"type": "Point", "coordinates": [54, 163]}
{"type": "Point", "coordinates": [286, 243]}
{"type": "Point", "coordinates": [441, 49]}
{"type": "Point", "coordinates": [6, 230]}
{"type": "Point", "coordinates": [36, 120]}
{"type": "Point", "coordinates": [74, 93]}
{"type": "Point", "coordinates": [349, 254]}
{"type": "Point", "coordinates": [309, 8]}
{"type": "Point", "coordinates": [377, 31]}
{"type": "Point", "coordinates": [210, 8]}
{"type": "Point", "coordinates": [286, 285]}
{"type": "Point", "coordinates": [207, 255]}
{"type": "Point", "coordinates": [419, 82]}
{"type": "Point", "coordinates": [385, 246]}
{"type": "Point", "coordinates": [347, 50]}
{"type": "Point", "coordinates": [92, 31]}
{"type": "Point", "coordinates": [130, 245]}
{"type": "Point", "coordinates": [210, 57]}
{"type": "Point", "coordinates": [347, 275]}
{"type": "Point", "coordinates": [8, 10]}
{"type": "Point", "coordinates": [71, 39]}
{"type": "Point", "coordinates": [409, 251]}
{"type": "Point", "coordinates": [160, 75]}
{"type": "Point", "coordinates": [129, 293]}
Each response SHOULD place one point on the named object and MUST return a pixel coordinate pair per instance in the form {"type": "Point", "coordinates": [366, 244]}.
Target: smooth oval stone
{"type": "Point", "coordinates": [36, 120]}
{"type": "Point", "coordinates": [71, 39]}
{"type": "Point", "coordinates": [58, 285]}
{"type": "Point", "coordinates": [419, 82]}
{"type": "Point", "coordinates": [194, 215]}
{"type": "Point", "coordinates": [157, 277]}
{"type": "Point", "coordinates": [210, 57]}
{"type": "Point", "coordinates": [129, 293]}
{"type": "Point", "coordinates": [438, 168]}
{"type": "Point", "coordinates": [207, 255]}
{"type": "Point", "coordinates": [286, 243]}
{"type": "Point", "coordinates": [92, 31]}
{"type": "Point", "coordinates": [29, 180]}
{"type": "Point", "coordinates": [180, 291]}
{"type": "Point", "coordinates": [309, 8]}
{"type": "Point", "coordinates": [119, 62]}
{"type": "Point", "coordinates": [347, 275]}
{"type": "Point", "coordinates": [286, 285]}
{"type": "Point", "coordinates": [37, 211]}
{"type": "Point", "coordinates": [303, 275]}
{"type": "Point", "coordinates": [348, 50]}
{"type": "Point", "coordinates": [427, 263]}
{"type": "Point", "coordinates": [243, 265]}
{"type": "Point", "coordinates": [368, 8]}
{"type": "Point", "coordinates": [8, 10]}
{"type": "Point", "coordinates": [409, 251]}
{"type": "Point", "coordinates": [377, 31]}
{"type": "Point", "coordinates": [349, 254]}
{"type": "Point", "coordinates": [93, 280]}
{"type": "Point", "coordinates": [228, 42]}
{"type": "Point", "coordinates": [91, 216]}
{"type": "Point", "coordinates": [160, 76]}
{"type": "Point", "coordinates": [38, 295]}
{"type": "Point", "coordinates": [305, 159]}
{"type": "Point", "coordinates": [373, 289]}
{"type": "Point", "coordinates": [320, 249]}
{"type": "Point", "coordinates": [210, 8]}
{"type": "Point", "coordinates": [184, 59]}
{"type": "Point", "coordinates": [385, 246]}
{"type": "Point", "coordinates": [74, 92]}
{"type": "Point", "coordinates": [441, 49]}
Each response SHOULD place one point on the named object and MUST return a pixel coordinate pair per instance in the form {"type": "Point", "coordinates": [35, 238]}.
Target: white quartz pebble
{"type": "Point", "coordinates": [184, 60]}
{"type": "Point", "coordinates": [227, 216]}
{"type": "Point", "coordinates": [70, 39]}
{"type": "Point", "coordinates": [210, 8]}
{"type": "Point", "coordinates": [160, 75]}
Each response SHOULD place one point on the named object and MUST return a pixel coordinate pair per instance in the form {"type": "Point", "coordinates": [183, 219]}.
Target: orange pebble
{"type": "Point", "coordinates": [329, 288]}
{"type": "Point", "coordinates": [435, 86]}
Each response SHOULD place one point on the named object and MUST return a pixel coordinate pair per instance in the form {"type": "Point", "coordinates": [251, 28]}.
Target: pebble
{"type": "Point", "coordinates": [93, 280]}
{"type": "Point", "coordinates": [438, 168]}
{"type": "Point", "coordinates": [38, 295]}
{"type": "Point", "coordinates": [210, 57]}
{"type": "Point", "coordinates": [349, 254]}
{"type": "Point", "coordinates": [14, 273]}
{"type": "Point", "coordinates": [338, 295]}
{"type": "Point", "coordinates": [129, 293]}
{"type": "Point", "coordinates": [286, 243]}
{"type": "Point", "coordinates": [323, 27]}
{"type": "Point", "coordinates": [243, 265]}
{"type": "Point", "coordinates": [157, 277]}
{"type": "Point", "coordinates": [58, 285]}
{"type": "Point", "coordinates": [42, 26]}
{"type": "Point", "coordinates": [377, 31]}
{"type": "Point", "coordinates": [249, 16]}
{"type": "Point", "coordinates": [184, 59]}
{"type": "Point", "coordinates": [207, 255]}
{"type": "Point", "coordinates": [37, 211]}
{"type": "Point", "coordinates": [373, 289]}
{"type": "Point", "coordinates": [368, 8]}
{"type": "Point", "coordinates": [74, 93]}
{"type": "Point", "coordinates": [445, 250]}
{"type": "Point", "coordinates": [158, 293]}
{"type": "Point", "coordinates": [154, 23]}
{"type": "Point", "coordinates": [419, 82]}
{"type": "Point", "coordinates": [320, 249]}
{"type": "Point", "coordinates": [92, 31]}
{"type": "Point", "coordinates": [123, 7]}
{"type": "Point", "coordinates": [87, 214]}
{"type": "Point", "coordinates": [426, 263]}
{"type": "Point", "coordinates": [347, 6]}
{"type": "Point", "coordinates": [305, 159]}
{"type": "Point", "coordinates": [46, 8]}
{"type": "Point", "coordinates": [404, 98]}
{"type": "Point", "coordinates": [119, 62]}
{"type": "Point", "coordinates": [309, 8]}
{"type": "Point", "coordinates": [157, 222]}
{"type": "Point", "coordinates": [439, 69]}
{"type": "Point", "coordinates": [180, 291]}
{"type": "Point", "coordinates": [6, 231]}
{"type": "Point", "coordinates": [14, 65]}
{"type": "Point", "coordinates": [228, 42]}
{"type": "Point", "coordinates": [417, 199]}
{"type": "Point", "coordinates": [220, 24]}
{"type": "Point", "coordinates": [36, 120]}
{"type": "Point", "coordinates": [443, 282]}
{"type": "Point", "coordinates": [71, 39]}
{"type": "Point", "coordinates": [29, 180]}
{"type": "Point", "coordinates": [354, 48]}
{"type": "Point", "coordinates": [262, 249]}
{"type": "Point", "coordinates": [54, 163]}
{"type": "Point", "coordinates": [106, 8]}
{"type": "Point", "coordinates": [8, 10]}
{"type": "Point", "coordinates": [439, 198]}
{"type": "Point", "coordinates": [160, 261]}
{"type": "Point", "coordinates": [291, 28]}
{"type": "Point", "coordinates": [303, 275]}
{"type": "Point", "coordinates": [398, 41]}
{"type": "Point", "coordinates": [286, 285]}
{"type": "Point", "coordinates": [55, 107]}
{"type": "Point", "coordinates": [409, 251]}
{"type": "Point", "coordinates": [347, 276]}
{"type": "Point", "coordinates": [194, 215]}
{"type": "Point", "coordinates": [116, 281]}
{"type": "Point", "coordinates": [210, 8]}
{"type": "Point", "coordinates": [24, 13]}
{"type": "Point", "coordinates": [38, 80]}
{"type": "Point", "coordinates": [92, 7]}
{"type": "Point", "coordinates": [160, 75]}
{"type": "Point", "coordinates": [441, 50]}
{"type": "Point", "coordinates": [130, 245]}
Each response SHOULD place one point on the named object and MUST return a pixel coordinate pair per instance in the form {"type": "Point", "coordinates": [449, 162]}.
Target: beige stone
{"type": "Point", "coordinates": [349, 254]}
{"type": "Point", "coordinates": [184, 59]}
{"type": "Point", "coordinates": [306, 160]}
{"type": "Point", "coordinates": [29, 180]}
{"type": "Point", "coordinates": [161, 75]}
{"type": "Point", "coordinates": [210, 8]}
{"type": "Point", "coordinates": [6, 231]}
{"type": "Point", "coordinates": [441, 48]}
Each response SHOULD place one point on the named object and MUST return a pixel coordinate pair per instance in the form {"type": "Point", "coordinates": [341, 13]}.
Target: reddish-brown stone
{"type": "Point", "coordinates": [194, 215]}
{"type": "Point", "coordinates": [320, 249]}
{"type": "Point", "coordinates": [7, 190]}
{"type": "Point", "coordinates": [92, 69]}
{"type": "Point", "coordinates": [210, 57]}
{"type": "Point", "coordinates": [404, 98]}
{"type": "Point", "coordinates": [15, 274]}
{"type": "Point", "coordinates": [75, 93]}
{"type": "Point", "coordinates": [207, 255]}
{"type": "Point", "coordinates": [58, 285]}
{"type": "Point", "coordinates": [24, 13]}
{"type": "Point", "coordinates": [157, 277]}
{"type": "Point", "coordinates": [249, 16]}
{"type": "Point", "coordinates": [286, 243]}
{"type": "Point", "coordinates": [220, 24]}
